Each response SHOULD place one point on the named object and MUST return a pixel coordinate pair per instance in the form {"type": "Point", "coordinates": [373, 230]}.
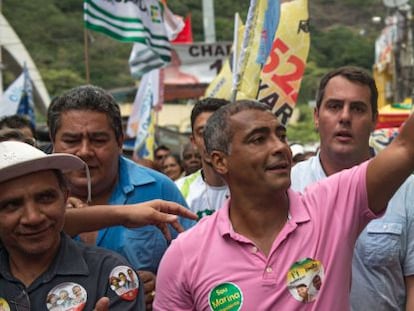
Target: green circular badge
{"type": "Point", "coordinates": [226, 297]}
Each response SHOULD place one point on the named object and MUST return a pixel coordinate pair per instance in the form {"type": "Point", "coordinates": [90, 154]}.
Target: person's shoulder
{"type": "Point", "coordinates": [98, 254]}
{"type": "Point", "coordinates": [130, 166]}
{"type": "Point", "coordinates": [304, 165]}
{"type": "Point", "coordinates": [188, 179]}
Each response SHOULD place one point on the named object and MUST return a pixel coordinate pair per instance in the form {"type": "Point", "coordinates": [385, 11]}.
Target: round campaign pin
{"type": "Point", "coordinates": [226, 296]}
{"type": "Point", "coordinates": [66, 296]}
{"type": "Point", "coordinates": [304, 279]}
{"type": "Point", "coordinates": [124, 282]}
{"type": "Point", "coordinates": [4, 306]}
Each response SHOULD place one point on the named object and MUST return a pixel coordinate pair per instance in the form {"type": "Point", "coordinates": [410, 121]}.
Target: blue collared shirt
{"type": "Point", "coordinates": [142, 247]}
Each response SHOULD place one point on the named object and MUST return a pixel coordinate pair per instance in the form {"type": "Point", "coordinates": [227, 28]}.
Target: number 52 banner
{"type": "Point", "coordinates": [285, 66]}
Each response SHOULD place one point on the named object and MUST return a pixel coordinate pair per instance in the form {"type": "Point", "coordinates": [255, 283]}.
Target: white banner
{"type": "Point", "coordinates": [195, 63]}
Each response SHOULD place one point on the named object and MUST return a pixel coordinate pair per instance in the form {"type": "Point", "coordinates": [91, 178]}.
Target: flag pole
{"type": "Point", "coordinates": [86, 54]}
{"type": "Point", "coordinates": [235, 60]}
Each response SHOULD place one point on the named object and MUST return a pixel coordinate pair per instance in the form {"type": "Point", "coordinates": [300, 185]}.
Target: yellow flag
{"type": "Point", "coordinates": [250, 68]}
{"type": "Point", "coordinates": [283, 72]}
{"type": "Point", "coordinates": [221, 86]}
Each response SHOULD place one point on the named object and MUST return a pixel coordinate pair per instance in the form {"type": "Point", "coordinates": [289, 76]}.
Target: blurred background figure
{"type": "Point", "coordinates": [172, 167]}
{"type": "Point", "coordinates": [160, 153]}
{"type": "Point", "coordinates": [7, 134]}
{"type": "Point", "coordinates": [191, 159]}
{"type": "Point", "coordinates": [21, 124]}
{"type": "Point", "coordinates": [298, 153]}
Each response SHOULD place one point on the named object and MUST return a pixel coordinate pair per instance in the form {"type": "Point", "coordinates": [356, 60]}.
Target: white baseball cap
{"type": "Point", "coordinates": [18, 159]}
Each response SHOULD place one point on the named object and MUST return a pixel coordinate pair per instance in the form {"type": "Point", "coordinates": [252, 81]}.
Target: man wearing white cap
{"type": "Point", "coordinates": [39, 263]}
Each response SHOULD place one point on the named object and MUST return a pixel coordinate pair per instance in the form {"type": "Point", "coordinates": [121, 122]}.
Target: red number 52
{"type": "Point", "coordinates": [284, 81]}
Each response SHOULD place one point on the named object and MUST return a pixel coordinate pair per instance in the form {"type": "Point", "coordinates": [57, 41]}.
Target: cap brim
{"type": "Point", "coordinates": [58, 161]}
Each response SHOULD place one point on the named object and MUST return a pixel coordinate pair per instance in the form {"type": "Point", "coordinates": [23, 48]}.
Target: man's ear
{"type": "Point", "coordinates": [316, 118]}
{"type": "Point", "coordinates": [120, 142]}
{"type": "Point", "coordinates": [219, 162]}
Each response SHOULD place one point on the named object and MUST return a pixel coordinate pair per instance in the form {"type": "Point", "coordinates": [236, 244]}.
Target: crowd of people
{"type": "Point", "coordinates": [267, 226]}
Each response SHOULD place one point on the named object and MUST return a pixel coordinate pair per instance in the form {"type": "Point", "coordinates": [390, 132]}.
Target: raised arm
{"type": "Point", "coordinates": [155, 212]}
{"type": "Point", "coordinates": [389, 169]}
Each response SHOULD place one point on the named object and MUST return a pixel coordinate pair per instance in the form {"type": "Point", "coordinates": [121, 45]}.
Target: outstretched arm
{"type": "Point", "coordinates": [389, 169]}
{"type": "Point", "coordinates": [155, 212]}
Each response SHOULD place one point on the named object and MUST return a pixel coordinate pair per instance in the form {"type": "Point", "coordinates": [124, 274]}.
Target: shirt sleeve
{"type": "Point", "coordinates": [408, 263]}
{"type": "Point", "coordinates": [172, 289]}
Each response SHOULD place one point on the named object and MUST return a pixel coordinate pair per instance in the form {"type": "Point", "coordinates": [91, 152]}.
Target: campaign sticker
{"type": "Point", "coordinates": [226, 296]}
{"type": "Point", "coordinates": [305, 279]}
{"type": "Point", "coordinates": [124, 282]}
{"type": "Point", "coordinates": [66, 296]}
{"type": "Point", "coordinates": [4, 306]}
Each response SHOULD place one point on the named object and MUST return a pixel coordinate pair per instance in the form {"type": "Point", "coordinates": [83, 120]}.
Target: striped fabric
{"type": "Point", "coordinates": [139, 22]}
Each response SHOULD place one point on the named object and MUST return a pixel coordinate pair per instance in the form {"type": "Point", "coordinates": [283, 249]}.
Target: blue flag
{"type": "Point", "coordinates": [26, 106]}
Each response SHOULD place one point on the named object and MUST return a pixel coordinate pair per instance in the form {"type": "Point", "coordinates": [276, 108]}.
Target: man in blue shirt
{"type": "Point", "coordinates": [86, 122]}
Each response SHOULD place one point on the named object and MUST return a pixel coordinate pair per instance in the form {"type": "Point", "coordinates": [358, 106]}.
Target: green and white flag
{"type": "Point", "coordinates": [140, 22]}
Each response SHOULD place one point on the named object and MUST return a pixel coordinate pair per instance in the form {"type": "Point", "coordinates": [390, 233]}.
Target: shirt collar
{"type": "Point", "coordinates": [297, 214]}
{"type": "Point", "coordinates": [132, 174]}
{"type": "Point", "coordinates": [68, 261]}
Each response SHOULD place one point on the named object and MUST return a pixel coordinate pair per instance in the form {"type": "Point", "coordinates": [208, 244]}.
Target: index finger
{"type": "Point", "coordinates": [174, 208]}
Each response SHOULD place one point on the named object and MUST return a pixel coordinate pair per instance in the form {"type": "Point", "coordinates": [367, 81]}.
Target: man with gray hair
{"type": "Point", "coordinates": [254, 252]}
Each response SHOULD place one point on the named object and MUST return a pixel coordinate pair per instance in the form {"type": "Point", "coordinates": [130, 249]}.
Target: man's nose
{"type": "Point", "coordinates": [32, 214]}
{"type": "Point", "coordinates": [85, 149]}
{"type": "Point", "coordinates": [345, 114]}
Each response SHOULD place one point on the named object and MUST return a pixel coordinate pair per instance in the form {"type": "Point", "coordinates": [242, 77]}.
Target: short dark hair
{"type": "Point", "coordinates": [355, 75]}
{"type": "Point", "coordinates": [218, 132]}
{"type": "Point", "coordinates": [17, 121]}
{"type": "Point", "coordinates": [208, 104]}
{"type": "Point", "coordinates": [85, 97]}
{"type": "Point", "coordinates": [7, 134]}
{"type": "Point", "coordinates": [161, 147]}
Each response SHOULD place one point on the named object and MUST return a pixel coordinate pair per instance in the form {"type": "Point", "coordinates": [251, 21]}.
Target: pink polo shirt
{"type": "Point", "coordinates": [211, 267]}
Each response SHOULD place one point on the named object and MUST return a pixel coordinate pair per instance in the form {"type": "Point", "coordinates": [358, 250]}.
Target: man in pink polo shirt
{"type": "Point", "coordinates": [270, 248]}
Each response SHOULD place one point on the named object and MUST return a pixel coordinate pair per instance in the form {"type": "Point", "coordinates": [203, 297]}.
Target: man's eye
{"type": "Point", "coordinates": [9, 206]}
{"type": "Point", "coordinates": [283, 137]}
{"type": "Point", "coordinates": [258, 140]}
{"type": "Point", "coordinates": [334, 106]}
{"type": "Point", "coordinates": [70, 141]}
{"type": "Point", "coordinates": [47, 197]}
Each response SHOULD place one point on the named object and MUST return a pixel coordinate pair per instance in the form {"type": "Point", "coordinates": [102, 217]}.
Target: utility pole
{"type": "Point", "coordinates": [208, 21]}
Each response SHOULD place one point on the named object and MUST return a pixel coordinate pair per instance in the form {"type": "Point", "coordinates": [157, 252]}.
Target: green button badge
{"type": "Point", "coordinates": [226, 297]}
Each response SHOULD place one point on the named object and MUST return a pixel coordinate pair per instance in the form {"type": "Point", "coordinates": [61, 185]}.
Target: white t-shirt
{"type": "Point", "coordinates": [202, 198]}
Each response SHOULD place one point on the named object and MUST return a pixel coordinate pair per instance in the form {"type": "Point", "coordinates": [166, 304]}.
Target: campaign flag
{"type": "Point", "coordinates": [282, 75]}
{"type": "Point", "coordinates": [142, 59]}
{"type": "Point", "coordinates": [174, 24]}
{"type": "Point", "coordinates": [261, 23]}
{"type": "Point", "coordinates": [26, 105]}
{"type": "Point", "coordinates": [271, 21]}
{"type": "Point", "coordinates": [140, 22]}
{"type": "Point", "coordinates": [18, 97]}
{"type": "Point", "coordinates": [186, 34]}
{"type": "Point", "coordinates": [221, 86]}
{"type": "Point", "coordinates": [142, 119]}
